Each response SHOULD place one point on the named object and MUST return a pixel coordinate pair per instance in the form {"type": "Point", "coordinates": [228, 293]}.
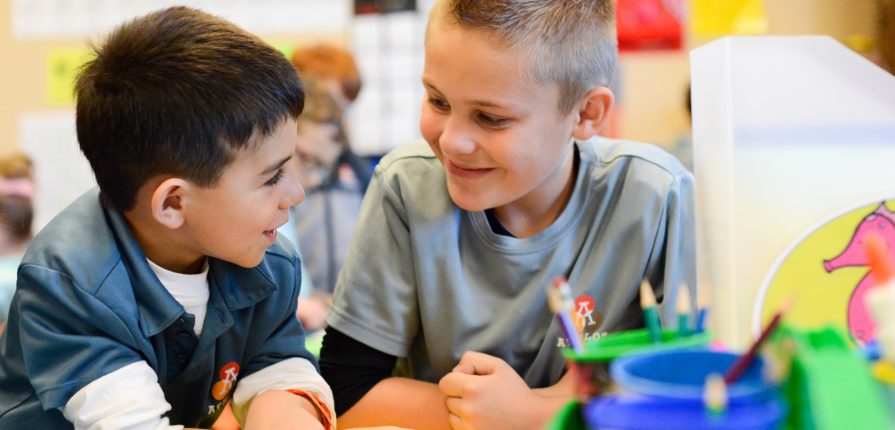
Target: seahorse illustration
{"type": "Point", "coordinates": [880, 222]}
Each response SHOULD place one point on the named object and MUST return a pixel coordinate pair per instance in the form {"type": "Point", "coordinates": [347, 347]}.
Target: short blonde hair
{"type": "Point", "coordinates": [570, 42]}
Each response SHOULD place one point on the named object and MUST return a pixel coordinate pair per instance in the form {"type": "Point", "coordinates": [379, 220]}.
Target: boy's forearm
{"type": "Point", "coordinates": [282, 410]}
{"type": "Point", "coordinates": [399, 402]}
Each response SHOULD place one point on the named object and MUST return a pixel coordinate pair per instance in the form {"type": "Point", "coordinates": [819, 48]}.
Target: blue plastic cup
{"type": "Point", "coordinates": [664, 390]}
{"type": "Point", "coordinates": [592, 365]}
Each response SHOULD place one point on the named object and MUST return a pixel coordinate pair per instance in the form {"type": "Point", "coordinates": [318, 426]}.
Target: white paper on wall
{"type": "Point", "coordinates": [74, 18]}
{"type": "Point", "coordinates": [61, 171]}
{"type": "Point", "coordinates": [389, 52]}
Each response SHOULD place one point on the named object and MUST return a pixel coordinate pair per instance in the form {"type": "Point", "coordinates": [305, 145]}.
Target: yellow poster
{"type": "Point", "coordinates": [285, 48]}
{"type": "Point", "coordinates": [711, 18]}
{"type": "Point", "coordinates": [63, 64]}
{"type": "Point", "coordinates": [827, 273]}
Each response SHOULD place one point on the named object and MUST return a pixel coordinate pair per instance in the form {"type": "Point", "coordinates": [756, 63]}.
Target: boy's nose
{"type": "Point", "coordinates": [455, 138]}
{"type": "Point", "coordinates": [294, 192]}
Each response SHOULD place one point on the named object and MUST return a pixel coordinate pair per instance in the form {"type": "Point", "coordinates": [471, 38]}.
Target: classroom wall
{"type": "Point", "coordinates": [652, 84]}
{"type": "Point", "coordinates": [40, 121]}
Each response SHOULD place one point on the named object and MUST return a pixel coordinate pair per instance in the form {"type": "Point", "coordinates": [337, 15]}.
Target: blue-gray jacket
{"type": "Point", "coordinates": [87, 304]}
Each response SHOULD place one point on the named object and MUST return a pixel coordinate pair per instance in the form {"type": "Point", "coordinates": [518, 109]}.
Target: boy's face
{"type": "Point", "coordinates": [317, 151]}
{"type": "Point", "coordinates": [236, 219]}
{"type": "Point", "coordinates": [500, 137]}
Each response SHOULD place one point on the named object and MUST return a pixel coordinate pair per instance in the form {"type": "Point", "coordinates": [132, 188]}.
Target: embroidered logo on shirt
{"type": "Point", "coordinates": [586, 319]}
{"type": "Point", "coordinates": [228, 375]}
{"type": "Point", "coordinates": [221, 391]}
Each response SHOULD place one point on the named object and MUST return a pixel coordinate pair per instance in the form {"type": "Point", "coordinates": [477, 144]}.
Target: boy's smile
{"type": "Point", "coordinates": [499, 135]}
{"type": "Point", "coordinates": [463, 172]}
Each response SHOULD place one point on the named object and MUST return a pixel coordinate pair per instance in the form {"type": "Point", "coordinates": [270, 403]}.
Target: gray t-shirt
{"type": "Point", "coordinates": [428, 281]}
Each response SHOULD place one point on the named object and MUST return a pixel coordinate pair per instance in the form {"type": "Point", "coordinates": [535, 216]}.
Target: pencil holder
{"type": "Point", "coordinates": [592, 365]}
{"type": "Point", "coordinates": [664, 390]}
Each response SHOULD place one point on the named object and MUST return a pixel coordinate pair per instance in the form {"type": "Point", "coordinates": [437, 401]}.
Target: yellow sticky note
{"type": "Point", "coordinates": [63, 64]}
{"type": "Point", "coordinates": [728, 17]}
{"type": "Point", "coordinates": [284, 47]}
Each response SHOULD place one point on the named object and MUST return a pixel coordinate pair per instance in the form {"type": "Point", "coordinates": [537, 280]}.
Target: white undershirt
{"type": "Point", "coordinates": [190, 290]}
{"type": "Point", "coordinates": [131, 397]}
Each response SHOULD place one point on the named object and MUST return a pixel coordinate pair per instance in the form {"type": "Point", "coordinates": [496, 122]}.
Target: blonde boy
{"type": "Point", "coordinates": [459, 238]}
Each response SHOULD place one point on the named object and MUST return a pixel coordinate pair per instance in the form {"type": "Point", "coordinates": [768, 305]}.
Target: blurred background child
{"type": "Point", "coordinates": [333, 176]}
{"type": "Point", "coordinates": [16, 216]}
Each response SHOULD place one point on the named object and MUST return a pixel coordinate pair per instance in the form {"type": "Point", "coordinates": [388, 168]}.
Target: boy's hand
{"type": "Point", "coordinates": [565, 387]}
{"type": "Point", "coordinates": [484, 392]}
{"type": "Point", "coordinates": [281, 410]}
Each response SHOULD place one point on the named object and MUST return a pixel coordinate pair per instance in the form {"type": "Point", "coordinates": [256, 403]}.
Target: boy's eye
{"type": "Point", "coordinates": [275, 179]}
{"type": "Point", "coordinates": [439, 104]}
{"type": "Point", "coordinates": [491, 121]}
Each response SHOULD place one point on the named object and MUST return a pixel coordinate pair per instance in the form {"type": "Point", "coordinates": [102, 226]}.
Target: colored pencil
{"type": "Point", "coordinates": [702, 308]}
{"type": "Point", "coordinates": [739, 367]}
{"type": "Point", "coordinates": [650, 314]}
{"type": "Point", "coordinates": [714, 396]}
{"type": "Point", "coordinates": [560, 300]}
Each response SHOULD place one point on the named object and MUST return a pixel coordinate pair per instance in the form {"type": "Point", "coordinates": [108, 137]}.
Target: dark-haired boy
{"type": "Point", "coordinates": [142, 304]}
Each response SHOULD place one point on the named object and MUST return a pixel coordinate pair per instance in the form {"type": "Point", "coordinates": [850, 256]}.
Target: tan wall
{"type": "Point", "coordinates": [21, 77]}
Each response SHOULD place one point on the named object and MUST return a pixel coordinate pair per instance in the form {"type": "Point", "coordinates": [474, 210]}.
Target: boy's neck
{"type": "Point", "coordinates": [528, 217]}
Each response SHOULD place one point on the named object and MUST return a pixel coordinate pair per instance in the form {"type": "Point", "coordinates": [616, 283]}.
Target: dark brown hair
{"type": "Point", "coordinates": [178, 92]}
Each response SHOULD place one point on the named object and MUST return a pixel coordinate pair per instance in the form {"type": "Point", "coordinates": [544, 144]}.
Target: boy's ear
{"type": "Point", "coordinates": [167, 202]}
{"type": "Point", "coordinates": [593, 113]}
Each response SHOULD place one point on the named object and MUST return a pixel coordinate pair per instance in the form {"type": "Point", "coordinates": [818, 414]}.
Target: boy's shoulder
{"type": "Point", "coordinates": [606, 151]}
{"type": "Point", "coordinates": [398, 158]}
{"type": "Point", "coordinates": [412, 170]}
{"type": "Point", "coordinates": [77, 242]}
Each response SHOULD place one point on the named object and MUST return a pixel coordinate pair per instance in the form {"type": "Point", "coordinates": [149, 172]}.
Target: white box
{"type": "Point", "coordinates": [789, 133]}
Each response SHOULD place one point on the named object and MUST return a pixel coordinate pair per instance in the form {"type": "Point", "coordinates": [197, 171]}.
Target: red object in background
{"type": "Point", "coordinates": [373, 7]}
{"type": "Point", "coordinates": [649, 24]}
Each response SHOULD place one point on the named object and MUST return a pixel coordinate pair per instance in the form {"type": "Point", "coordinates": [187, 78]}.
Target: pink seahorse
{"type": "Point", "coordinates": [880, 222]}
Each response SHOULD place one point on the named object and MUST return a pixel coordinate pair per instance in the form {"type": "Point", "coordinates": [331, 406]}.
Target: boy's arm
{"type": "Point", "coordinates": [280, 370]}
{"type": "Point", "coordinates": [282, 410]}
{"type": "Point", "coordinates": [399, 402]}
{"type": "Point", "coordinates": [288, 390]}
{"type": "Point", "coordinates": [81, 357]}
{"type": "Point", "coordinates": [365, 393]}
{"type": "Point", "coordinates": [128, 397]}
